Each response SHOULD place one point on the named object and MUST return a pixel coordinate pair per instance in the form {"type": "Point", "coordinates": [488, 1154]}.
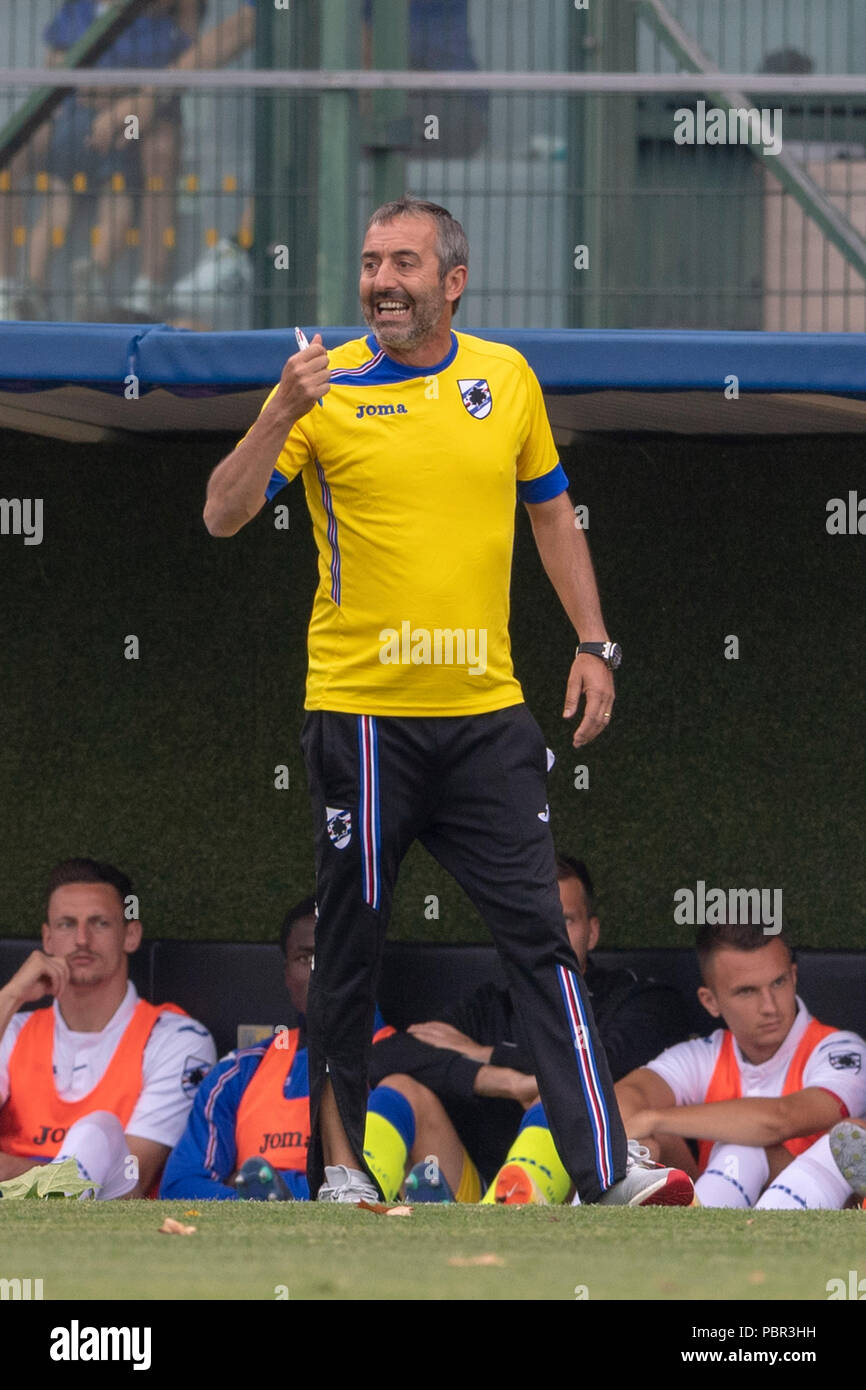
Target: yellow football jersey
{"type": "Point", "coordinates": [412, 478]}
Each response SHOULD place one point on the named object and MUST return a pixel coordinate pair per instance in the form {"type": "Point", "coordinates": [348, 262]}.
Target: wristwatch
{"type": "Point", "coordinates": [609, 652]}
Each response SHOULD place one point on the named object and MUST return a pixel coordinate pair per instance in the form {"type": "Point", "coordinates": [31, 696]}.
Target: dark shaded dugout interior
{"type": "Point", "coordinates": [740, 773]}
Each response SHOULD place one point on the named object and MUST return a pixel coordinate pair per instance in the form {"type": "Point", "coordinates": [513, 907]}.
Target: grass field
{"type": "Point", "coordinates": [249, 1250]}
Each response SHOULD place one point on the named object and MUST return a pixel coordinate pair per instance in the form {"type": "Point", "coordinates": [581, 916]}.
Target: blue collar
{"type": "Point", "coordinates": [400, 371]}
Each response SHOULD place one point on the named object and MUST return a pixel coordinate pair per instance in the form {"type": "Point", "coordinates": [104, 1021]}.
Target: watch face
{"type": "Point", "coordinates": [615, 657]}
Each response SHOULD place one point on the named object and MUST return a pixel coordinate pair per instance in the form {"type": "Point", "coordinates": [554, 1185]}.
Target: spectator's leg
{"type": "Point", "coordinates": [56, 211]}
{"type": "Point", "coordinates": [246, 227]}
{"type": "Point", "coordinates": [113, 220]}
{"type": "Point", "coordinates": [160, 159]}
{"type": "Point", "coordinates": [14, 203]}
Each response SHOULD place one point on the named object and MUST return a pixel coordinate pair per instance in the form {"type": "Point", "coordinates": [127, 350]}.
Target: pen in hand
{"type": "Point", "coordinates": [301, 340]}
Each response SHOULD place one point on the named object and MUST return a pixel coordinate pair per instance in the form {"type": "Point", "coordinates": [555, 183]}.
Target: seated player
{"type": "Point", "coordinates": [102, 1075]}
{"type": "Point", "coordinates": [249, 1130]}
{"type": "Point", "coordinates": [475, 1057]}
{"type": "Point", "coordinates": [757, 1094]}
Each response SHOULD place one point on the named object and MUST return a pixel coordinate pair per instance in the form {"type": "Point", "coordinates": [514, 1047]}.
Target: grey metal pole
{"type": "Point", "coordinates": [338, 168]}
{"type": "Point", "coordinates": [609, 163]}
{"type": "Point", "coordinates": [390, 49]}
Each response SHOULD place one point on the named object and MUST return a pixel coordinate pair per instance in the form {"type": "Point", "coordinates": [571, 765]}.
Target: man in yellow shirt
{"type": "Point", "coordinates": [413, 444]}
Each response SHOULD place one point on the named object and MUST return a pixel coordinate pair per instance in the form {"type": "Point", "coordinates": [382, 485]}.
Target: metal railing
{"type": "Point", "coordinates": [237, 180]}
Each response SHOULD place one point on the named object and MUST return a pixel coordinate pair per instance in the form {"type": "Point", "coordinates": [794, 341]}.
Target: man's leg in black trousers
{"type": "Point", "coordinates": [365, 784]}
{"type": "Point", "coordinates": [489, 833]}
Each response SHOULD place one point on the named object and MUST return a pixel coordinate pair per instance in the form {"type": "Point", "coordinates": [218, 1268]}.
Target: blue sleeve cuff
{"type": "Point", "coordinates": [278, 481]}
{"type": "Point", "coordinates": [542, 489]}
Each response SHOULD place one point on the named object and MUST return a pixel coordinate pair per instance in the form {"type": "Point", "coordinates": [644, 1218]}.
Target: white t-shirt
{"type": "Point", "coordinates": [838, 1064]}
{"type": "Point", "coordinates": [178, 1053]}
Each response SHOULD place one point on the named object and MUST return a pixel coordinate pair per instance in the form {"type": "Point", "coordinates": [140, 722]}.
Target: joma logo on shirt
{"type": "Point", "coordinates": [289, 1139]}
{"type": "Point", "coordinates": [380, 410]}
{"type": "Point", "coordinates": [55, 1135]}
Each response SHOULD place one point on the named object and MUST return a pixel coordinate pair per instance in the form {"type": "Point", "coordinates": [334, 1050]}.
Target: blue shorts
{"type": "Point", "coordinates": [69, 154]}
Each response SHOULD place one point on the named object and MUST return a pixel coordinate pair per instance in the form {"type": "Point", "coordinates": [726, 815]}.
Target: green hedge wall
{"type": "Point", "coordinates": [740, 773]}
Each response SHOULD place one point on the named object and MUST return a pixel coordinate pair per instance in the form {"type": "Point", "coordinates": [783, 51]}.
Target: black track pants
{"type": "Point", "coordinates": [473, 790]}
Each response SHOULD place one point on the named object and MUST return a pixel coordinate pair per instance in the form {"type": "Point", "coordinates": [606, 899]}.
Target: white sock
{"type": "Point", "coordinates": [98, 1144]}
{"type": "Point", "coordinates": [810, 1183]}
{"type": "Point", "coordinates": [733, 1176]}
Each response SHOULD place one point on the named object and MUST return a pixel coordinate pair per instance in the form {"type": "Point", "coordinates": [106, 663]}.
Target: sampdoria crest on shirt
{"type": "Point", "coordinates": [845, 1061]}
{"type": "Point", "coordinates": [195, 1069]}
{"type": "Point", "coordinates": [475, 394]}
{"type": "Point", "coordinates": [339, 824]}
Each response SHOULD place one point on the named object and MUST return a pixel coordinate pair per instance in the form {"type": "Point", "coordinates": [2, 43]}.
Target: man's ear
{"type": "Point", "coordinates": [45, 930]}
{"type": "Point", "coordinates": [708, 999]}
{"type": "Point", "coordinates": [132, 938]}
{"type": "Point", "coordinates": [594, 929]}
{"type": "Point", "coordinates": [455, 282]}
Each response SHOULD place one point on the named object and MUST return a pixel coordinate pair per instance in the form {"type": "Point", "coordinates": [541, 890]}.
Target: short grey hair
{"type": "Point", "coordinates": [452, 243]}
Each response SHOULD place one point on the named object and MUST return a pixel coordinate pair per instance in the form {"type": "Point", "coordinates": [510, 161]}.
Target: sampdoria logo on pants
{"type": "Point", "coordinates": [339, 825]}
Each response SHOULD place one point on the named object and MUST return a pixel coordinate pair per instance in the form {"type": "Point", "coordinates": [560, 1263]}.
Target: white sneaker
{"type": "Point", "coordinates": [649, 1184]}
{"type": "Point", "coordinates": [225, 269]}
{"type": "Point", "coordinates": [347, 1185]}
{"type": "Point", "coordinates": [143, 296]}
